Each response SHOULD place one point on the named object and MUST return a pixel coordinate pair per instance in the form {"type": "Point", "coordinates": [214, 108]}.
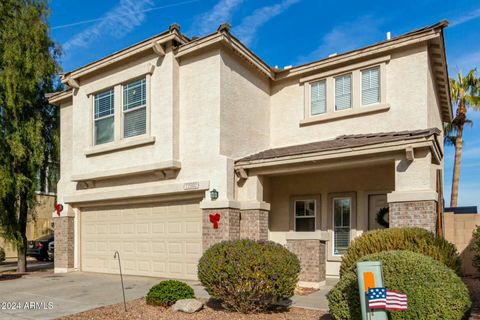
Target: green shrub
{"type": "Point", "coordinates": [248, 276]}
{"type": "Point", "coordinates": [2, 255]}
{"type": "Point", "coordinates": [434, 290]}
{"type": "Point", "coordinates": [168, 292]}
{"type": "Point", "coordinates": [411, 239]}
{"type": "Point", "coordinates": [476, 248]}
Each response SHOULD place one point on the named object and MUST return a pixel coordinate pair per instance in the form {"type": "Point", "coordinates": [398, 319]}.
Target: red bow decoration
{"type": "Point", "coordinates": [215, 218]}
{"type": "Point", "coordinates": [58, 208]}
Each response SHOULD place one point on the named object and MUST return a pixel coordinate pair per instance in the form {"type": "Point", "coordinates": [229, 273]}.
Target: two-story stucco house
{"type": "Point", "coordinates": [158, 138]}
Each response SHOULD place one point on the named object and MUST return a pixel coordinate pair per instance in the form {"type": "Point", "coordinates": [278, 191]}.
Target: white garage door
{"type": "Point", "coordinates": [153, 240]}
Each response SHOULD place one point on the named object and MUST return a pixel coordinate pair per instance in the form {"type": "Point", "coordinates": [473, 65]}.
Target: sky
{"type": "Point", "coordinates": [282, 32]}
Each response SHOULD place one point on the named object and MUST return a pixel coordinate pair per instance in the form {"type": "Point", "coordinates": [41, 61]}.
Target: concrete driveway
{"type": "Point", "coordinates": [49, 296]}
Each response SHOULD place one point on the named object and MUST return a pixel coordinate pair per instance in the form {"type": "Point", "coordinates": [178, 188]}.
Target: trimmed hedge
{"type": "Point", "coordinates": [411, 239]}
{"type": "Point", "coordinates": [248, 276]}
{"type": "Point", "coordinates": [434, 290]}
{"type": "Point", "coordinates": [2, 255]}
{"type": "Point", "coordinates": [168, 292]}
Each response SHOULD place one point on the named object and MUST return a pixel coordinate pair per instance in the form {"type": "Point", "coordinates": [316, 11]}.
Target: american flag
{"type": "Point", "coordinates": [381, 298]}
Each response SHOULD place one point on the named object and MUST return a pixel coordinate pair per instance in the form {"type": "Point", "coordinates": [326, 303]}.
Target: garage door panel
{"type": "Point", "coordinates": [159, 241]}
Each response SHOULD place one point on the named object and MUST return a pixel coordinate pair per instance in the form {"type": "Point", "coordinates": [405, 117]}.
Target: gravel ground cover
{"type": "Point", "coordinates": [138, 309]}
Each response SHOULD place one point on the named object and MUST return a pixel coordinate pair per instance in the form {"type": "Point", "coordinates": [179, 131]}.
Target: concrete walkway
{"type": "Point", "coordinates": [49, 296]}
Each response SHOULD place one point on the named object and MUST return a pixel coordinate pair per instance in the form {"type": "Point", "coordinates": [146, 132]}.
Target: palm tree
{"type": "Point", "coordinates": [465, 94]}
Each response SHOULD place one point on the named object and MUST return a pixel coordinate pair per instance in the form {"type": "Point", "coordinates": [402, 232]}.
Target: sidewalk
{"type": "Point", "coordinates": [10, 265]}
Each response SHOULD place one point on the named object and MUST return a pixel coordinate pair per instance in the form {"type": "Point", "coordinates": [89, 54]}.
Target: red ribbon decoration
{"type": "Point", "coordinates": [215, 218]}
{"type": "Point", "coordinates": [58, 208]}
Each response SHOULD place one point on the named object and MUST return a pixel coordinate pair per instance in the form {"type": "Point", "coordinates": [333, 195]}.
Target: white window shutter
{"type": "Point", "coordinates": [135, 108]}
{"type": "Point", "coordinates": [317, 97]}
{"type": "Point", "coordinates": [371, 86]}
{"type": "Point", "coordinates": [104, 116]}
{"type": "Point", "coordinates": [343, 92]}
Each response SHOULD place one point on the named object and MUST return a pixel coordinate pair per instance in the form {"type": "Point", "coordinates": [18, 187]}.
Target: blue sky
{"type": "Point", "coordinates": [282, 32]}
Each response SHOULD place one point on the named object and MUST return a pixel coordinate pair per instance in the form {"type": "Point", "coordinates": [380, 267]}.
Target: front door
{"type": "Point", "coordinates": [375, 203]}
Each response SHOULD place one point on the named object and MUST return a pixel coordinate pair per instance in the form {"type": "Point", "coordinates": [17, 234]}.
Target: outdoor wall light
{"type": "Point", "coordinates": [214, 195]}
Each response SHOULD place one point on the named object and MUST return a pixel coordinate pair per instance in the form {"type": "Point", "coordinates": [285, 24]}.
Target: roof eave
{"type": "Point", "coordinates": [173, 34]}
{"type": "Point", "coordinates": [60, 98]}
{"type": "Point", "coordinates": [224, 37]}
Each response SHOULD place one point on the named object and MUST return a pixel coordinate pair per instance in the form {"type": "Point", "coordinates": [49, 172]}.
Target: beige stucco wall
{"type": "Point", "coordinates": [244, 108]}
{"type": "Point", "coordinates": [406, 93]}
{"type": "Point", "coordinates": [362, 181]}
{"type": "Point", "coordinates": [458, 230]}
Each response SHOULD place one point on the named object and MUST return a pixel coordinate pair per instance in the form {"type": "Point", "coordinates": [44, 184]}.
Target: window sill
{"type": "Point", "coordinates": [355, 112]}
{"type": "Point", "coordinates": [307, 235]}
{"type": "Point", "coordinates": [122, 145]}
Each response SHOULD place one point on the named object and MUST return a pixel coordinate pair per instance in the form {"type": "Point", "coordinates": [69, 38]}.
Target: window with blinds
{"type": "Point", "coordinates": [305, 215]}
{"type": "Point", "coordinates": [104, 116]}
{"type": "Point", "coordinates": [343, 92]}
{"type": "Point", "coordinates": [318, 98]}
{"type": "Point", "coordinates": [134, 108]}
{"type": "Point", "coordinates": [371, 86]}
{"type": "Point", "coordinates": [342, 208]}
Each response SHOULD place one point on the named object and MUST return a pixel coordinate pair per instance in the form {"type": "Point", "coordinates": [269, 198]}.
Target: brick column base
{"type": "Point", "coordinates": [254, 224]}
{"type": "Point", "coordinates": [311, 254]}
{"type": "Point", "coordinates": [64, 243]}
{"type": "Point", "coordinates": [228, 226]}
{"type": "Point", "coordinates": [420, 214]}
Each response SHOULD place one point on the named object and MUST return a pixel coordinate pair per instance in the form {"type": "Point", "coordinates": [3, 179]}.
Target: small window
{"type": "Point", "coordinates": [104, 117]}
{"type": "Point", "coordinates": [342, 208]}
{"type": "Point", "coordinates": [318, 97]}
{"type": "Point", "coordinates": [371, 86]}
{"type": "Point", "coordinates": [343, 92]}
{"type": "Point", "coordinates": [305, 215]}
{"type": "Point", "coordinates": [134, 108]}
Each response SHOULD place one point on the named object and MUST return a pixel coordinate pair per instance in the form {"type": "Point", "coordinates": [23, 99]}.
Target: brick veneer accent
{"type": "Point", "coordinates": [413, 214]}
{"type": "Point", "coordinates": [254, 224]}
{"type": "Point", "coordinates": [228, 227]}
{"type": "Point", "coordinates": [64, 242]}
{"type": "Point", "coordinates": [311, 254]}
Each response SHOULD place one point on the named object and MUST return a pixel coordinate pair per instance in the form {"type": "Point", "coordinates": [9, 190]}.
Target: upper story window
{"type": "Point", "coordinates": [134, 108]}
{"type": "Point", "coordinates": [104, 117]}
{"type": "Point", "coordinates": [343, 92]}
{"type": "Point", "coordinates": [305, 215]}
{"type": "Point", "coordinates": [318, 97]}
{"type": "Point", "coordinates": [371, 86]}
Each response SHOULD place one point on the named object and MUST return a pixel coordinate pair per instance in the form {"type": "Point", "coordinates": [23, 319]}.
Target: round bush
{"type": "Point", "coordinates": [168, 292]}
{"type": "Point", "coordinates": [434, 290]}
{"type": "Point", "coordinates": [2, 254]}
{"type": "Point", "coordinates": [248, 276]}
{"type": "Point", "coordinates": [411, 239]}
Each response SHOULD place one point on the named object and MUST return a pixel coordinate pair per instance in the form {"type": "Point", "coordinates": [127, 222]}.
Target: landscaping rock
{"type": "Point", "coordinates": [187, 305]}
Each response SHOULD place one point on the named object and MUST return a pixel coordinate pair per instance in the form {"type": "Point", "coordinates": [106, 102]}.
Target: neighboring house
{"type": "Point", "coordinates": [41, 223]}
{"type": "Point", "coordinates": [305, 156]}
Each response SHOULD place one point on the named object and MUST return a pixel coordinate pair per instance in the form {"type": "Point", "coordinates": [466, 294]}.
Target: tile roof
{"type": "Point", "coordinates": [341, 142]}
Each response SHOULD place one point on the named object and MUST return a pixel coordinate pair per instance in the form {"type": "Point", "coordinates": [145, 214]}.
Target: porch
{"type": "Point", "coordinates": [316, 198]}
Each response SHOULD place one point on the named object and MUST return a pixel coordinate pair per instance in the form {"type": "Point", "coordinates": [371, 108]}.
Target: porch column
{"type": "Point", "coordinates": [254, 211]}
{"type": "Point", "coordinates": [228, 226]}
{"type": "Point", "coordinates": [64, 240]}
{"type": "Point", "coordinates": [414, 201]}
{"type": "Point", "coordinates": [311, 253]}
